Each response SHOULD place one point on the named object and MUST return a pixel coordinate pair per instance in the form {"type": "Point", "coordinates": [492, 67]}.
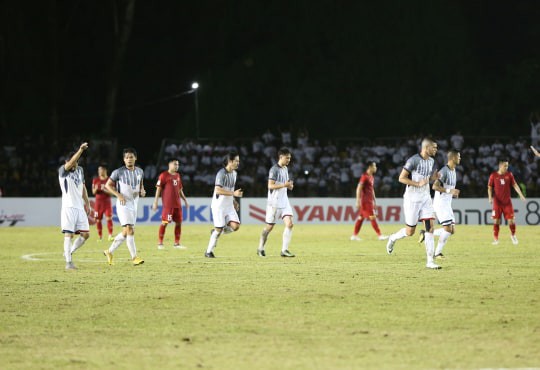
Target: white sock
{"type": "Point", "coordinates": [442, 241]}
{"type": "Point", "coordinates": [67, 247]}
{"type": "Point", "coordinates": [398, 235]}
{"type": "Point", "coordinates": [118, 240]}
{"type": "Point", "coordinates": [438, 232]}
{"type": "Point", "coordinates": [213, 241]}
{"type": "Point", "coordinates": [287, 235]}
{"type": "Point", "coordinates": [429, 241]}
{"type": "Point", "coordinates": [77, 244]}
{"type": "Point", "coordinates": [130, 241]}
{"type": "Point", "coordinates": [262, 240]}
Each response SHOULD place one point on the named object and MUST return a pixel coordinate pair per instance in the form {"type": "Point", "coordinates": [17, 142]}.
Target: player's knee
{"type": "Point", "coordinates": [234, 226]}
{"type": "Point", "coordinates": [409, 231]}
{"type": "Point", "coordinates": [85, 235]}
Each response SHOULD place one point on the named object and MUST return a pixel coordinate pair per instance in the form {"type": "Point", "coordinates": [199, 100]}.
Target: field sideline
{"type": "Point", "coordinates": [338, 305]}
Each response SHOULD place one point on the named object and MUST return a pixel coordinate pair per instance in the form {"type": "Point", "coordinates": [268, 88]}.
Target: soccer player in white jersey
{"type": "Point", "coordinates": [75, 205]}
{"type": "Point", "coordinates": [445, 190]}
{"type": "Point", "coordinates": [126, 184]}
{"type": "Point", "coordinates": [224, 206]}
{"type": "Point", "coordinates": [278, 205]}
{"type": "Point", "coordinates": [417, 173]}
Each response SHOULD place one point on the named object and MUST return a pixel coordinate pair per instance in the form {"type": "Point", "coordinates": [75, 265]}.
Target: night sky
{"type": "Point", "coordinates": [339, 69]}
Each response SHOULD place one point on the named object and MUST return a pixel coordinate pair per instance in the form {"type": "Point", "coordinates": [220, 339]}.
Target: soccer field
{"type": "Point", "coordinates": [338, 305]}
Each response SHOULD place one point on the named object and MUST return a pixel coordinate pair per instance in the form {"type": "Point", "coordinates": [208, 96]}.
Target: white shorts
{"type": "Point", "coordinates": [444, 213]}
{"type": "Point", "coordinates": [273, 213]}
{"type": "Point", "coordinates": [126, 215]}
{"type": "Point", "coordinates": [222, 216]}
{"type": "Point", "coordinates": [73, 220]}
{"type": "Point", "coordinates": [417, 210]}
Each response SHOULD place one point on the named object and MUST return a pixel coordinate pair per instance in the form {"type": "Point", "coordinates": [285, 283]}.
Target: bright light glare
{"type": "Point", "coordinates": [194, 85]}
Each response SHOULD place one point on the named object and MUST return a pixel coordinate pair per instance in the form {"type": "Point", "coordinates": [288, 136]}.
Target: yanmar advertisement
{"type": "Point", "coordinates": [16, 212]}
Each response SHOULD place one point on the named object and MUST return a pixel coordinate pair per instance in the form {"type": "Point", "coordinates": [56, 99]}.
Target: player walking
{"type": "Point", "coordinates": [499, 195]}
{"type": "Point", "coordinates": [75, 205]}
{"type": "Point", "coordinates": [366, 202]}
{"type": "Point", "coordinates": [418, 171]}
{"type": "Point", "coordinates": [224, 207]}
{"type": "Point", "coordinates": [278, 205]}
{"type": "Point", "coordinates": [126, 184]}
{"type": "Point", "coordinates": [169, 187]}
{"type": "Point", "coordinates": [445, 190]}
{"type": "Point", "coordinates": [103, 204]}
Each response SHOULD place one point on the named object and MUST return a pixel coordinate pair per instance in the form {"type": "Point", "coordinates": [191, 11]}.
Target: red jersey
{"type": "Point", "coordinates": [367, 182]}
{"type": "Point", "coordinates": [170, 189]}
{"type": "Point", "coordinates": [502, 187]}
{"type": "Point", "coordinates": [101, 195]}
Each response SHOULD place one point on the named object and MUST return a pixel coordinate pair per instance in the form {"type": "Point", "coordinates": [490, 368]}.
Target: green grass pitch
{"type": "Point", "coordinates": [338, 305]}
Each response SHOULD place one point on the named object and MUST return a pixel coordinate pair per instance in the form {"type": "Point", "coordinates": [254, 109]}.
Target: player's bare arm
{"type": "Point", "coordinates": [438, 186]}
{"type": "Point", "coordinates": [72, 162]}
{"type": "Point", "coordinates": [182, 195]}
{"type": "Point", "coordinates": [273, 186]}
{"type": "Point", "coordinates": [404, 179]}
{"type": "Point", "coordinates": [536, 152]}
{"type": "Point", "coordinates": [110, 188]}
{"type": "Point", "coordinates": [237, 193]}
{"type": "Point", "coordinates": [86, 200]}
{"type": "Point", "coordinates": [490, 194]}
{"type": "Point", "coordinates": [158, 194]}
{"type": "Point", "coordinates": [359, 195]}
{"type": "Point", "coordinates": [142, 192]}
{"type": "Point", "coordinates": [518, 190]}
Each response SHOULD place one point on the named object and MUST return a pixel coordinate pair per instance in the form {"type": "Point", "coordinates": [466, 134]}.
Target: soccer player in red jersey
{"type": "Point", "coordinates": [366, 202]}
{"type": "Point", "coordinates": [499, 194]}
{"type": "Point", "coordinates": [103, 205]}
{"type": "Point", "coordinates": [169, 187]}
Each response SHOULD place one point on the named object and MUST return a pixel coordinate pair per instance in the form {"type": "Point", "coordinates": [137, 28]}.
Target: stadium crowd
{"type": "Point", "coordinates": [318, 168]}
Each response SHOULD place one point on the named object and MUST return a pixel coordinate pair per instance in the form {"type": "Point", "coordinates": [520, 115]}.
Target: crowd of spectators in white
{"type": "Point", "coordinates": [318, 167]}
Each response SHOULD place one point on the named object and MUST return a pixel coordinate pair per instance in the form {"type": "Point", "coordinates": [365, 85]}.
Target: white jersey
{"type": "Point", "coordinates": [419, 168]}
{"type": "Point", "coordinates": [227, 181]}
{"type": "Point", "coordinates": [128, 183]}
{"type": "Point", "coordinates": [447, 177]}
{"type": "Point", "coordinates": [71, 183]}
{"type": "Point", "coordinates": [278, 197]}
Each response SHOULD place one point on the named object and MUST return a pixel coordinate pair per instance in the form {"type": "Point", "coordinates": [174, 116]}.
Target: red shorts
{"type": "Point", "coordinates": [171, 214]}
{"type": "Point", "coordinates": [366, 210]}
{"type": "Point", "coordinates": [507, 210]}
{"type": "Point", "coordinates": [102, 208]}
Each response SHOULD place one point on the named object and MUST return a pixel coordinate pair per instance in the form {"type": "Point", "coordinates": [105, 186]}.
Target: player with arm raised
{"type": "Point", "coordinates": [126, 184]}
{"type": "Point", "coordinates": [535, 151]}
{"type": "Point", "coordinates": [75, 205]}
{"type": "Point", "coordinates": [499, 195]}
{"type": "Point", "coordinates": [416, 174]}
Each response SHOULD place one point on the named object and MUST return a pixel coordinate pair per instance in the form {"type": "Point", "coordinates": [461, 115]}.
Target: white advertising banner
{"type": "Point", "coordinates": [471, 211]}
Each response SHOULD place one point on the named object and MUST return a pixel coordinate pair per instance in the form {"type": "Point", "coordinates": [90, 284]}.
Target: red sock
{"type": "Point", "coordinates": [161, 233]}
{"type": "Point", "coordinates": [512, 228]}
{"type": "Point", "coordinates": [358, 225]}
{"type": "Point", "coordinates": [99, 228]}
{"type": "Point", "coordinates": [109, 226]}
{"type": "Point", "coordinates": [496, 231]}
{"type": "Point", "coordinates": [177, 232]}
{"type": "Point", "coordinates": [375, 226]}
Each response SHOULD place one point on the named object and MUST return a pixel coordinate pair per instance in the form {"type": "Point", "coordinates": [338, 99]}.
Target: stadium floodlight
{"type": "Point", "coordinates": [195, 85]}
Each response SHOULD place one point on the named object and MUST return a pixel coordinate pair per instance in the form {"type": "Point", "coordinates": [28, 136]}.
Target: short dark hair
{"type": "Point", "coordinates": [103, 165]}
{"type": "Point", "coordinates": [369, 163]}
{"type": "Point", "coordinates": [229, 157]}
{"type": "Point", "coordinates": [453, 152]}
{"type": "Point", "coordinates": [503, 159]}
{"type": "Point", "coordinates": [129, 150]}
{"type": "Point", "coordinates": [173, 160]}
{"type": "Point", "coordinates": [283, 151]}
